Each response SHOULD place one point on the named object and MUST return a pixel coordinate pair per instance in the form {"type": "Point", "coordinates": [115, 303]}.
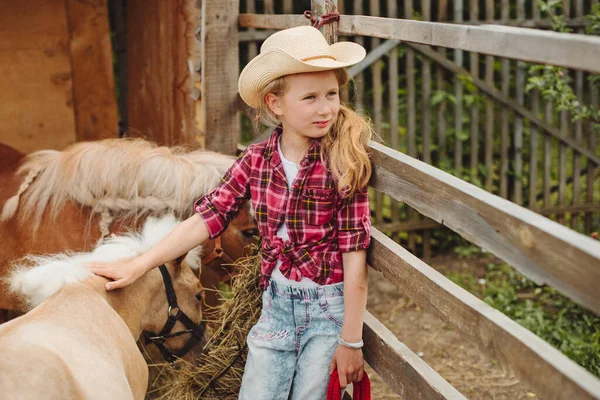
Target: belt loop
{"type": "Point", "coordinates": [271, 287]}
{"type": "Point", "coordinates": [321, 296]}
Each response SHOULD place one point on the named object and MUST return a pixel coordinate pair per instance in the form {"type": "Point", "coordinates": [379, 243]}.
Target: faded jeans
{"type": "Point", "coordinates": [291, 346]}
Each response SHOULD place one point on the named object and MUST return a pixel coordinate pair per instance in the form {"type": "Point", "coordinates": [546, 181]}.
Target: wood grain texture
{"type": "Point", "coordinates": [561, 49]}
{"type": "Point", "coordinates": [541, 249]}
{"type": "Point", "coordinates": [220, 60]}
{"type": "Point", "coordinates": [163, 59]}
{"type": "Point", "coordinates": [36, 88]}
{"type": "Point", "coordinates": [95, 102]}
{"type": "Point", "coordinates": [400, 367]}
{"type": "Point", "coordinates": [550, 373]}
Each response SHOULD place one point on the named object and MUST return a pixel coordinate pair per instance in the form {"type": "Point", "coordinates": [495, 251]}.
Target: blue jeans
{"type": "Point", "coordinates": [291, 346]}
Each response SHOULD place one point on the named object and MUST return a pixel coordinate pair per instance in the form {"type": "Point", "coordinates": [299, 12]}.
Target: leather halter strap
{"type": "Point", "coordinates": [217, 253]}
{"type": "Point", "coordinates": [174, 314]}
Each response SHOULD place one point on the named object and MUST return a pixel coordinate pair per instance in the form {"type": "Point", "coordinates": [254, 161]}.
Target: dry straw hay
{"type": "Point", "coordinates": [218, 372]}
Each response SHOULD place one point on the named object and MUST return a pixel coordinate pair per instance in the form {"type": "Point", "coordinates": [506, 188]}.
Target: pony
{"type": "Point", "coordinates": [79, 341]}
{"type": "Point", "coordinates": [69, 200]}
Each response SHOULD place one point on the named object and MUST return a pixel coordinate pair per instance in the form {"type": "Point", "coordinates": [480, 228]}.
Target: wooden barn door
{"type": "Point", "coordinates": [56, 68]}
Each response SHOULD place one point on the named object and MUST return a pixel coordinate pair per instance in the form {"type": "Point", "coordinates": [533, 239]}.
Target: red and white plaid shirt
{"type": "Point", "coordinates": [321, 224]}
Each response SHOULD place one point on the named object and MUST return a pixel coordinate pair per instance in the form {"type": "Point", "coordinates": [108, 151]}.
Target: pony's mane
{"type": "Point", "coordinates": [129, 177]}
{"type": "Point", "coordinates": [35, 278]}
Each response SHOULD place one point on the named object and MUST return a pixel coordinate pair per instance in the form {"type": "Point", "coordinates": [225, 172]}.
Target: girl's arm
{"type": "Point", "coordinates": [213, 213]}
{"type": "Point", "coordinates": [349, 362]}
{"type": "Point", "coordinates": [188, 234]}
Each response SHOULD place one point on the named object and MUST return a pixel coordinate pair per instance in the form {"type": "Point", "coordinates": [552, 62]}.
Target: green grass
{"type": "Point", "coordinates": [570, 328]}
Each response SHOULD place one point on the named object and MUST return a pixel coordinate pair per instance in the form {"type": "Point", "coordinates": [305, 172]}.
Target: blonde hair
{"type": "Point", "coordinates": [345, 147]}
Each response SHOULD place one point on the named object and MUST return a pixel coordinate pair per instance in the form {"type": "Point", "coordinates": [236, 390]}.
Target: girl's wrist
{"type": "Point", "coordinates": [351, 345]}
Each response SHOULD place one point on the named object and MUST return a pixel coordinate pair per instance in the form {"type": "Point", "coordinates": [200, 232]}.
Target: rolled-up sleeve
{"type": "Point", "coordinates": [354, 223]}
{"type": "Point", "coordinates": [220, 206]}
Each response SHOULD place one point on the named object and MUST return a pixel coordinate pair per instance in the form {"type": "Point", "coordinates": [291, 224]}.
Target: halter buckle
{"type": "Point", "coordinates": [173, 311]}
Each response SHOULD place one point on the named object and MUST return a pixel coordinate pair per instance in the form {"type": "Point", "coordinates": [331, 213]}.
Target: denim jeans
{"type": "Point", "coordinates": [291, 346]}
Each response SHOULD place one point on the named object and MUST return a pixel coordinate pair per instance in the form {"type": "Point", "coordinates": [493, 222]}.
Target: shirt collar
{"type": "Point", "coordinates": [313, 154]}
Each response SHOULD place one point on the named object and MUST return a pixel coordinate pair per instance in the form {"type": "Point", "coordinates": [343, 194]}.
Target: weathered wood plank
{"type": "Point", "coordinates": [34, 62]}
{"type": "Point", "coordinates": [411, 116]}
{"type": "Point", "coordinates": [504, 140]}
{"type": "Point", "coordinates": [162, 60]}
{"type": "Point", "coordinates": [400, 367]}
{"type": "Point", "coordinates": [95, 102]}
{"type": "Point", "coordinates": [541, 249]}
{"type": "Point", "coordinates": [574, 208]}
{"type": "Point", "coordinates": [562, 163]}
{"type": "Point", "coordinates": [373, 56]}
{"type": "Point", "coordinates": [359, 82]}
{"type": "Point", "coordinates": [220, 60]}
{"type": "Point", "coordinates": [489, 109]}
{"type": "Point", "coordinates": [547, 153]}
{"type": "Point", "coordinates": [474, 68]}
{"type": "Point", "coordinates": [458, 93]}
{"type": "Point", "coordinates": [562, 49]}
{"type": "Point", "coordinates": [488, 88]}
{"type": "Point", "coordinates": [533, 153]}
{"type": "Point", "coordinates": [518, 136]}
{"type": "Point", "coordinates": [591, 180]}
{"type": "Point", "coordinates": [550, 373]}
{"type": "Point", "coordinates": [322, 7]}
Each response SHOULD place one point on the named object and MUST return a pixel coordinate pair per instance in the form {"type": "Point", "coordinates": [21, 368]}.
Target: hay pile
{"type": "Point", "coordinates": [218, 373]}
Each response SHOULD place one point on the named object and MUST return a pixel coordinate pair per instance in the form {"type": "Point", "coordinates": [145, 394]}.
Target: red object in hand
{"type": "Point", "coordinates": [362, 389]}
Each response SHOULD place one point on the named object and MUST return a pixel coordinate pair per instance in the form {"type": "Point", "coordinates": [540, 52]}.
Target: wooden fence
{"type": "Point", "coordinates": [543, 250]}
{"type": "Point", "coordinates": [466, 112]}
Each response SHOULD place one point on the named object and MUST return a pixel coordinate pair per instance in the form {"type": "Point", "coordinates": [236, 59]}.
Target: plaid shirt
{"type": "Point", "coordinates": [321, 224]}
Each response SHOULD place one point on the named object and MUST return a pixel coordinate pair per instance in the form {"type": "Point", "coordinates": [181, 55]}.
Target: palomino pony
{"type": "Point", "coordinates": [70, 200]}
{"type": "Point", "coordinates": [79, 342]}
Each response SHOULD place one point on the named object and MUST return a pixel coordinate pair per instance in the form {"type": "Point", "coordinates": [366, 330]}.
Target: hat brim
{"type": "Point", "coordinates": [275, 63]}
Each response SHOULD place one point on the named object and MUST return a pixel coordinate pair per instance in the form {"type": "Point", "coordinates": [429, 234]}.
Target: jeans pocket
{"type": "Point", "coordinates": [333, 308]}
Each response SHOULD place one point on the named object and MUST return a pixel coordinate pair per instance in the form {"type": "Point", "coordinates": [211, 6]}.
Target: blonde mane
{"type": "Point", "coordinates": [36, 278]}
{"type": "Point", "coordinates": [126, 177]}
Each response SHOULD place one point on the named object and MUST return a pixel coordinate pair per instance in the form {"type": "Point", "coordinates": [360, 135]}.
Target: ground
{"type": "Point", "coordinates": [474, 374]}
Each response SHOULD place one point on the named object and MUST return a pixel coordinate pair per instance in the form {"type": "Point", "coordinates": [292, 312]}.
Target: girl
{"type": "Point", "coordinates": [308, 186]}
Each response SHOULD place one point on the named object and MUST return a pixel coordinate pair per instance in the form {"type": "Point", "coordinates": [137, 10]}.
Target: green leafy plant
{"type": "Point", "coordinates": [554, 82]}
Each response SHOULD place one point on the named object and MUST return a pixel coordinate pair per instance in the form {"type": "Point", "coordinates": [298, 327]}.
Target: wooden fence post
{"type": "Point", "coordinates": [220, 60]}
{"type": "Point", "coordinates": [320, 7]}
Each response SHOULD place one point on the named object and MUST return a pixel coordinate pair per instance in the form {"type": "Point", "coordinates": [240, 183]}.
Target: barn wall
{"type": "Point", "coordinates": [47, 47]}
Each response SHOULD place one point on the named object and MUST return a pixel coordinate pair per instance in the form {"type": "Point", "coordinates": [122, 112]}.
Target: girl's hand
{"type": "Point", "coordinates": [123, 273]}
{"type": "Point", "coordinates": [349, 363]}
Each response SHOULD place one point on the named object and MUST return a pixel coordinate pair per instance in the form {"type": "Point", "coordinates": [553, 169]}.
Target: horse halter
{"type": "Point", "coordinates": [217, 253]}
{"type": "Point", "coordinates": [174, 314]}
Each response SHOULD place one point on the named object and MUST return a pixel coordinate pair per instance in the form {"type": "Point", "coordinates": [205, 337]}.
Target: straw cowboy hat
{"type": "Point", "coordinates": [293, 51]}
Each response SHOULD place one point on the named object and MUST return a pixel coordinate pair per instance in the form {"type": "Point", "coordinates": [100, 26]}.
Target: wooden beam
{"type": "Point", "coordinates": [551, 374]}
{"type": "Point", "coordinates": [36, 84]}
{"type": "Point", "coordinates": [95, 102]}
{"type": "Point", "coordinates": [541, 249]}
{"type": "Point", "coordinates": [544, 47]}
{"type": "Point", "coordinates": [373, 56]}
{"type": "Point", "coordinates": [322, 7]}
{"type": "Point", "coordinates": [575, 208]}
{"type": "Point", "coordinates": [162, 57]}
{"type": "Point", "coordinates": [404, 371]}
{"type": "Point", "coordinates": [220, 61]}
{"type": "Point", "coordinates": [506, 101]}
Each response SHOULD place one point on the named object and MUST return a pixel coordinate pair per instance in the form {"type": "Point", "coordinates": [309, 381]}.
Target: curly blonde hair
{"type": "Point", "coordinates": [345, 147]}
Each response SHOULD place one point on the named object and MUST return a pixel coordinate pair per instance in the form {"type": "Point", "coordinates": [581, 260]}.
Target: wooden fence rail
{"type": "Point", "coordinates": [561, 49]}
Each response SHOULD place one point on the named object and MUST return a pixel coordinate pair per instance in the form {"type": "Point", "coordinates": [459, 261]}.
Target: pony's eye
{"type": "Point", "coordinates": [250, 233]}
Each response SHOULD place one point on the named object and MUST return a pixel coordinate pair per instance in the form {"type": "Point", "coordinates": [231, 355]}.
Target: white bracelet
{"type": "Point", "coordinates": [357, 345]}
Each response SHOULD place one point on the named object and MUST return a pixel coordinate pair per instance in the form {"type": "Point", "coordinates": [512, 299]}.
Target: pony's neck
{"type": "Point", "coordinates": [130, 303]}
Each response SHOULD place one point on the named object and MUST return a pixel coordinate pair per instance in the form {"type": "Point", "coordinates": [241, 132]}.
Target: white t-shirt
{"type": "Point", "coordinates": [291, 171]}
